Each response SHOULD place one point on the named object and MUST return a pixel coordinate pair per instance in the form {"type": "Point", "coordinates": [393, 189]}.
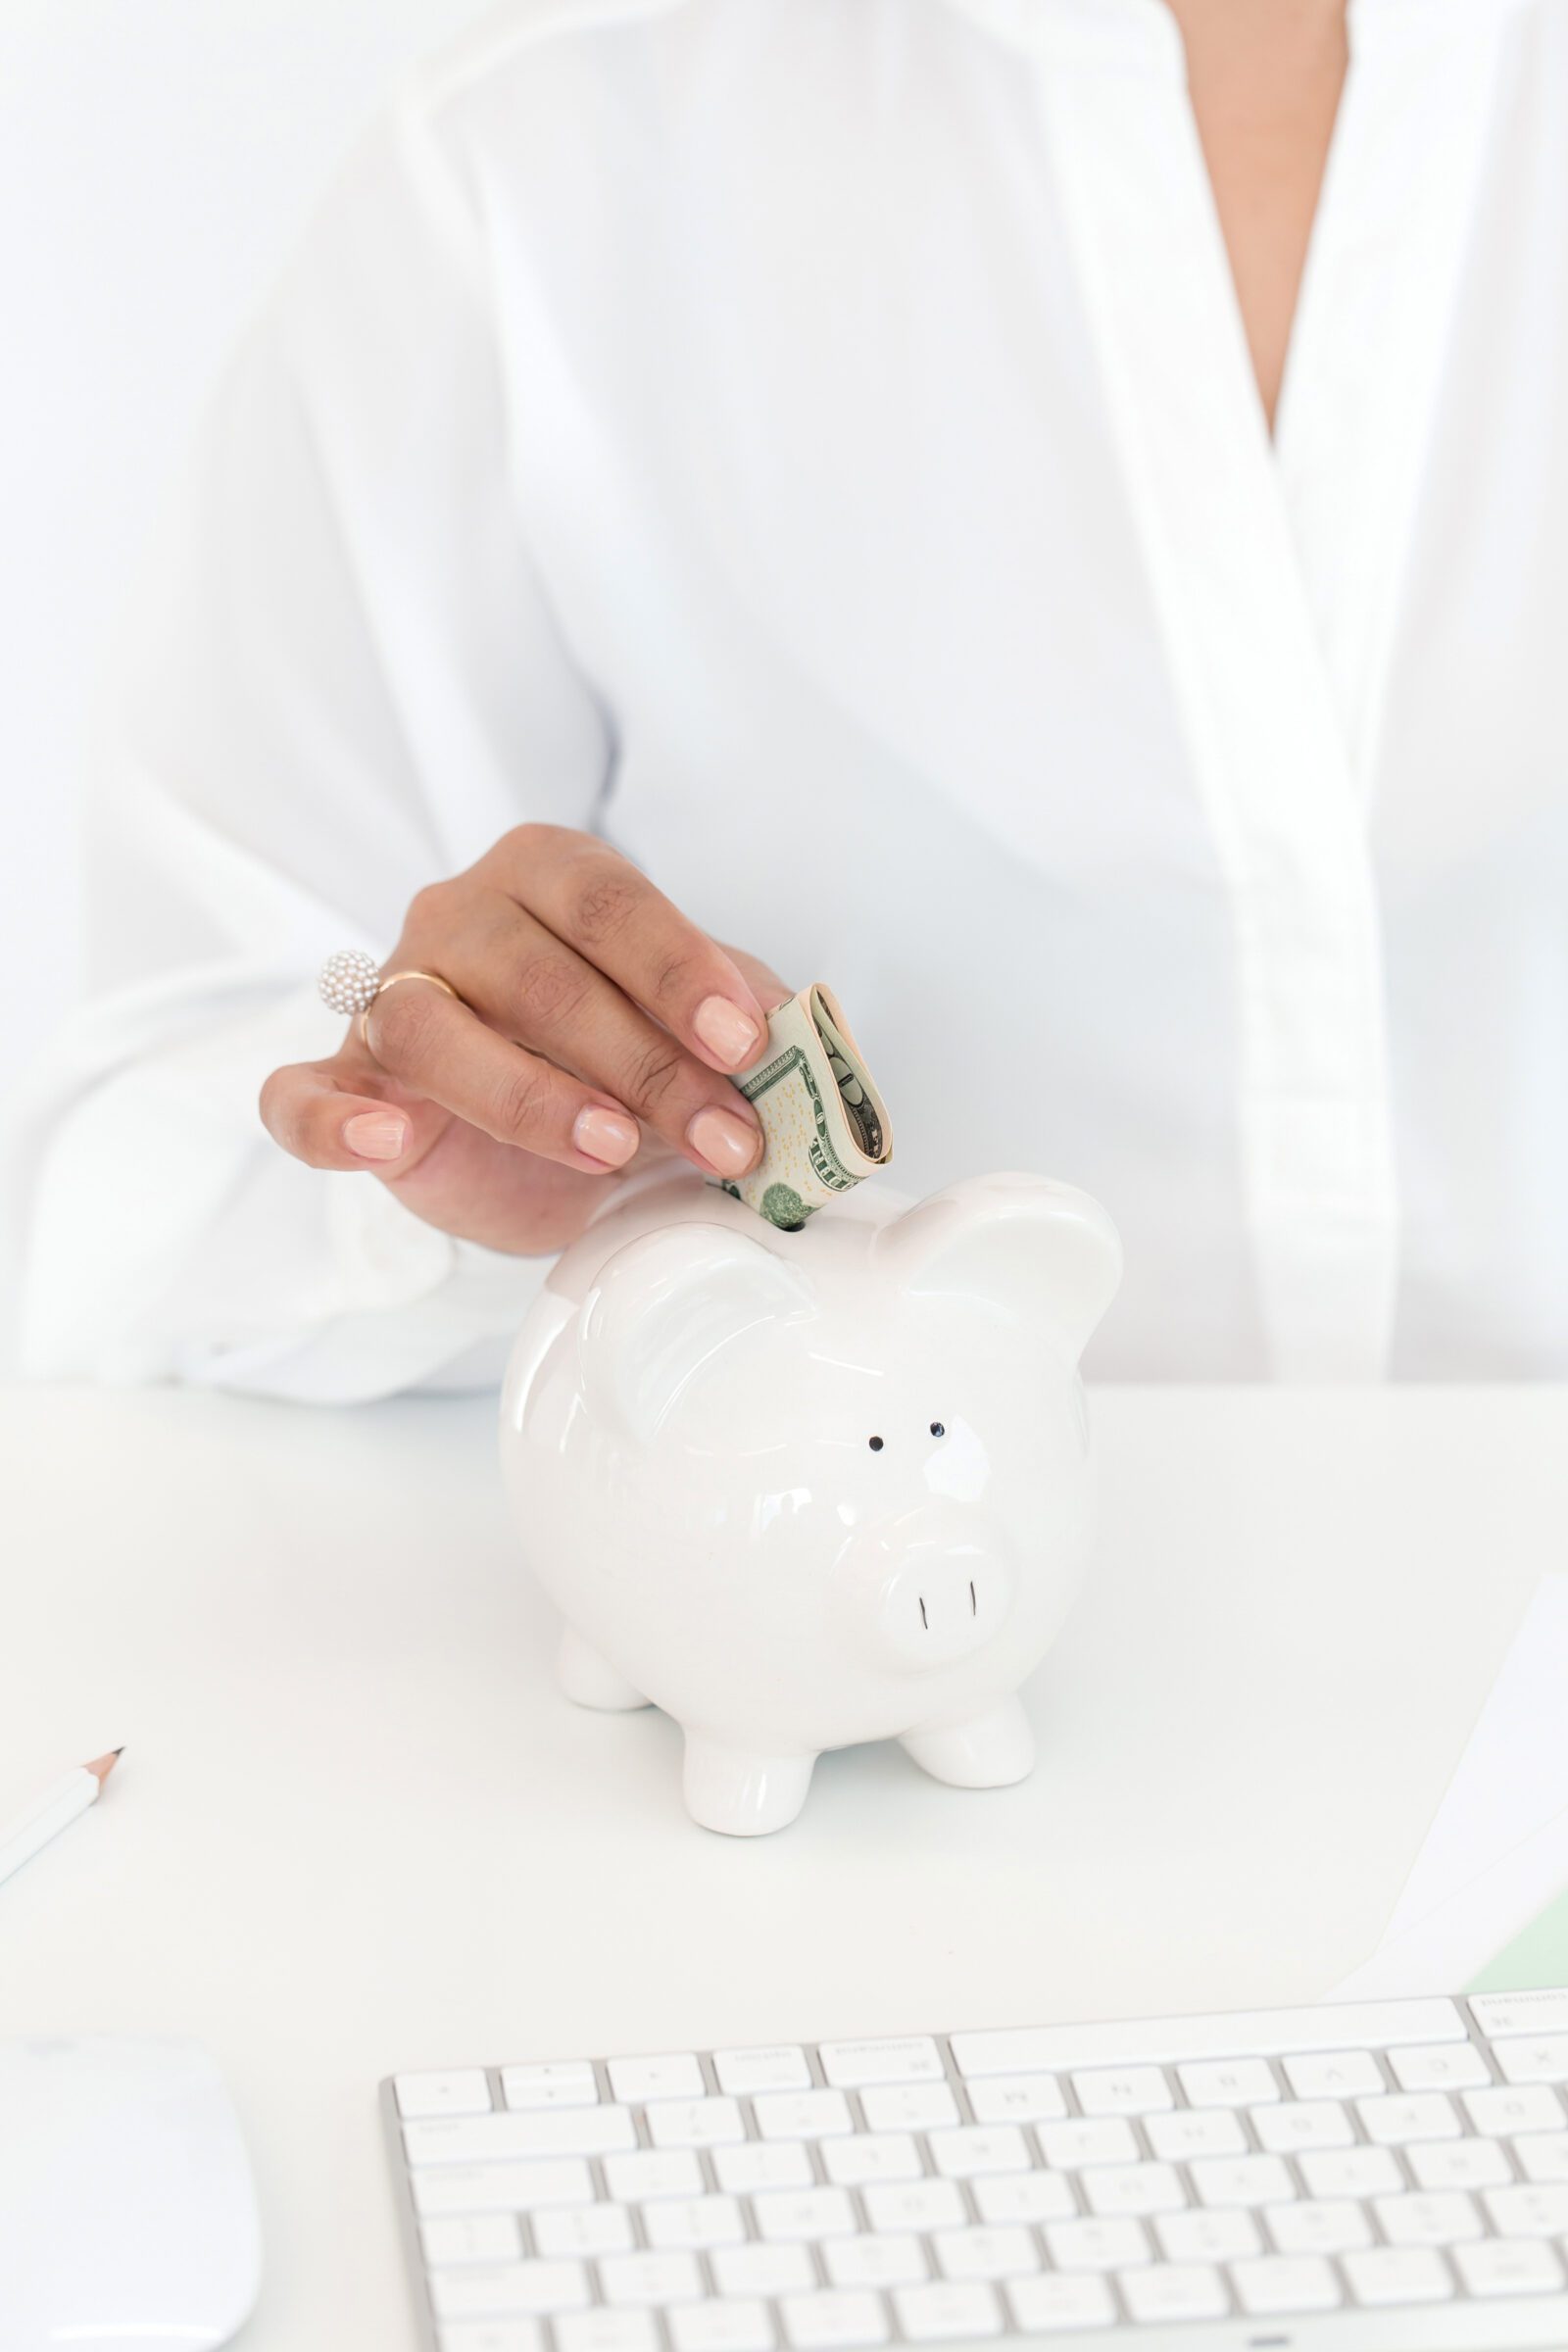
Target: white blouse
{"type": "Point", "coordinates": [813, 443]}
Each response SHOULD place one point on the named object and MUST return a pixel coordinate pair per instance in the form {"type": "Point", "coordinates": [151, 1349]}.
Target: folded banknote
{"type": "Point", "coordinates": [823, 1120]}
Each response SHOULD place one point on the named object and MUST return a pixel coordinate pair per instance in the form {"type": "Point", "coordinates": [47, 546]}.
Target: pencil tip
{"type": "Point", "coordinates": [102, 1766]}
{"type": "Point", "coordinates": [119, 1751]}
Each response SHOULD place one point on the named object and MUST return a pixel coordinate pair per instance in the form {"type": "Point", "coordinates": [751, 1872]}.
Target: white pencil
{"type": "Point", "coordinates": [54, 1811]}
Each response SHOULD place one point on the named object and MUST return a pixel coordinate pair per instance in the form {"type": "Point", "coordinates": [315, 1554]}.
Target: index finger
{"type": "Point", "coordinates": [599, 902]}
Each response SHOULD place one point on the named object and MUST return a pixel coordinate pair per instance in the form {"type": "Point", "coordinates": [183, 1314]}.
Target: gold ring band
{"type": "Point", "coordinates": [391, 981]}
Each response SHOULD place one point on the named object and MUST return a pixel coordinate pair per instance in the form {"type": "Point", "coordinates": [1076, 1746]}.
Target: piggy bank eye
{"type": "Point", "coordinates": [937, 1430]}
{"type": "Point", "coordinates": [875, 1444]}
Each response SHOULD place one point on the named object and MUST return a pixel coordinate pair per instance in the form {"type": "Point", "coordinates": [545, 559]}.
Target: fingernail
{"type": "Point", "coordinates": [376, 1135]}
{"type": "Point", "coordinates": [604, 1135]}
{"type": "Point", "coordinates": [726, 1031]}
{"type": "Point", "coordinates": [728, 1143]}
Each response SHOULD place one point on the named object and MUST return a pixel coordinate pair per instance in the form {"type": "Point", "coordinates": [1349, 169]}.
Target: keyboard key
{"type": "Point", "coordinates": [914, 2205]}
{"type": "Point", "coordinates": [1123, 2090]}
{"type": "Point", "coordinates": [1060, 2305]}
{"type": "Point", "coordinates": [1507, 2109]}
{"type": "Point", "coordinates": [560, 2082]}
{"type": "Point", "coordinates": [1394, 2122]}
{"type": "Point", "coordinates": [1094, 2246]}
{"type": "Point", "coordinates": [804, 2213]}
{"type": "Point", "coordinates": [1030, 2197]}
{"type": "Point", "coordinates": [1543, 2156]}
{"type": "Point", "coordinates": [1229, 2082]}
{"type": "Point", "coordinates": [976, 2148]}
{"type": "Point", "coordinates": [491, 2138]}
{"type": "Point", "coordinates": [1334, 2074]}
{"type": "Point", "coordinates": [947, 2310]}
{"type": "Point", "coordinates": [638, 2082]}
{"type": "Point", "coordinates": [1500, 2014]}
{"type": "Point", "coordinates": [744, 2073]}
{"type": "Point", "coordinates": [1398, 2274]}
{"type": "Point", "coordinates": [1006, 2253]}
{"type": "Point", "coordinates": [1190, 2132]}
{"type": "Point", "coordinates": [1436, 2218]}
{"type": "Point", "coordinates": [576, 2229]}
{"type": "Point", "coordinates": [1172, 2291]}
{"type": "Point", "coordinates": [909, 2107]}
{"type": "Point", "coordinates": [853, 2065]}
{"type": "Point", "coordinates": [1318, 2226]}
{"type": "Point", "coordinates": [1143, 2188]}
{"type": "Point", "coordinates": [1073, 2145]}
{"type": "Point", "coordinates": [1241, 2180]}
{"type": "Point", "coordinates": [650, 2278]}
{"type": "Point", "coordinates": [695, 2124]}
{"type": "Point", "coordinates": [1450, 2066]}
{"type": "Point", "coordinates": [472, 2237]}
{"type": "Point", "coordinates": [1017, 2099]}
{"type": "Point", "coordinates": [875, 2262]}
{"type": "Point", "coordinates": [838, 2317]}
{"type": "Point", "coordinates": [1226, 2234]}
{"type": "Point", "coordinates": [694, 2222]}
{"type": "Point", "coordinates": [500, 2187]}
{"type": "Point", "coordinates": [871, 2156]}
{"type": "Point", "coordinates": [769, 2271]}
{"type": "Point", "coordinates": [649, 2173]}
{"type": "Point", "coordinates": [1525, 2267]}
{"type": "Point", "coordinates": [1282, 2282]}
{"type": "Point", "coordinates": [760, 2165]}
{"type": "Point", "coordinates": [464, 2091]}
{"type": "Point", "coordinates": [1351, 2172]}
{"type": "Point", "coordinates": [719, 2327]}
{"type": "Point", "coordinates": [492, 2335]}
{"type": "Point", "coordinates": [1298, 2124]}
{"type": "Point", "coordinates": [1459, 2164]}
{"type": "Point", "coordinates": [1542, 2060]}
{"type": "Point", "coordinates": [605, 2330]}
{"type": "Point", "coordinates": [502, 2291]}
{"type": "Point", "coordinates": [804, 2114]}
{"type": "Point", "coordinates": [1528, 2212]}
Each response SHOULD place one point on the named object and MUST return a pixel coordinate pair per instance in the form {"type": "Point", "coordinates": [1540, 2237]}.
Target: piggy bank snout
{"type": "Point", "coordinates": [937, 1592]}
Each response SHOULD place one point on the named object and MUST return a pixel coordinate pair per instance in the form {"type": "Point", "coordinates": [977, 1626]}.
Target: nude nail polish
{"type": "Point", "coordinates": [376, 1135]}
{"type": "Point", "coordinates": [610, 1136]}
{"type": "Point", "coordinates": [726, 1143]}
{"type": "Point", "coordinates": [728, 1031]}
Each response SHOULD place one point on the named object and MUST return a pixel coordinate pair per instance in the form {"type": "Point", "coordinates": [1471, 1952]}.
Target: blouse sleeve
{"type": "Point", "coordinates": [341, 679]}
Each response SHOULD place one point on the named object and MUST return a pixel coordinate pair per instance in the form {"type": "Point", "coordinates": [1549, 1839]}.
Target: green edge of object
{"type": "Point", "coordinates": [1537, 1956]}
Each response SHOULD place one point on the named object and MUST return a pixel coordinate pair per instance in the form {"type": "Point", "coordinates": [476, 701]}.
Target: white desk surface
{"type": "Point", "coordinates": [356, 1831]}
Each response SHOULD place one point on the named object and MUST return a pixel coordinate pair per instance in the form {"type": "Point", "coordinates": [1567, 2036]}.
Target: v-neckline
{"type": "Point", "coordinates": [1275, 563]}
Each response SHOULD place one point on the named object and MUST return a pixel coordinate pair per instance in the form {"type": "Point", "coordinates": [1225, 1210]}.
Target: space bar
{"type": "Point", "coordinates": [1168, 2040]}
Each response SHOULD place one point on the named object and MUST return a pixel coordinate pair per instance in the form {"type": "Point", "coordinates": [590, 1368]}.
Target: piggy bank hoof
{"type": "Point", "coordinates": [585, 1678]}
{"type": "Point", "coordinates": [990, 1751]}
{"type": "Point", "coordinates": [742, 1795]}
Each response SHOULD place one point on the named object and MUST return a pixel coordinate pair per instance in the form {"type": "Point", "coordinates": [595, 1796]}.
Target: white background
{"type": "Point", "coordinates": [157, 159]}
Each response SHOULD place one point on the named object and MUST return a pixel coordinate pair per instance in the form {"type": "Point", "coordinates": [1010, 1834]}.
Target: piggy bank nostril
{"type": "Point", "coordinates": [973, 1609]}
{"type": "Point", "coordinates": [924, 1619]}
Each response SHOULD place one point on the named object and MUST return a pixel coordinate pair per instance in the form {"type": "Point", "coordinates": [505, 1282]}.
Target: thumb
{"type": "Point", "coordinates": [330, 1117]}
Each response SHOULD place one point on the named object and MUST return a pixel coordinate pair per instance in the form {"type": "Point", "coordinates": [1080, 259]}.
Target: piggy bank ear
{"type": "Point", "coordinates": [663, 1307]}
{"type": "Point", "coordinates": [1040, 1250]}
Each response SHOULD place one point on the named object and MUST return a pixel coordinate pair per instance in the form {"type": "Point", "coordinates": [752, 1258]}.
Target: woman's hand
{"type": "Point", "coordinates": [596, 1025]}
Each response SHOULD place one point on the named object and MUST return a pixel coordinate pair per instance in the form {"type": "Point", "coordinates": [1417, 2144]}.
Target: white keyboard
{"type": "Point", "coordinates": [1390, 2176]}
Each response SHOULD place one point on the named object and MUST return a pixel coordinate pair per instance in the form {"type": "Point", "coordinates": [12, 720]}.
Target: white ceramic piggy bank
{"type": "Point", "coordinates": [806, 1488]}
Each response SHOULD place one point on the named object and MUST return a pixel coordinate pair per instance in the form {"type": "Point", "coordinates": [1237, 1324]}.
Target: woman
{"type": "Point", "coordinates": [825, 476]}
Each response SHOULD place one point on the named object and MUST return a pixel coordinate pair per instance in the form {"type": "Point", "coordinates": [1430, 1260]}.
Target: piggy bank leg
{"type": "Point", "coordinates": [584, 1677]}
{"type": "Point", "coordinates": [744, 1796]}
{"type": "Point", "coordinates": [991, 1751]}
